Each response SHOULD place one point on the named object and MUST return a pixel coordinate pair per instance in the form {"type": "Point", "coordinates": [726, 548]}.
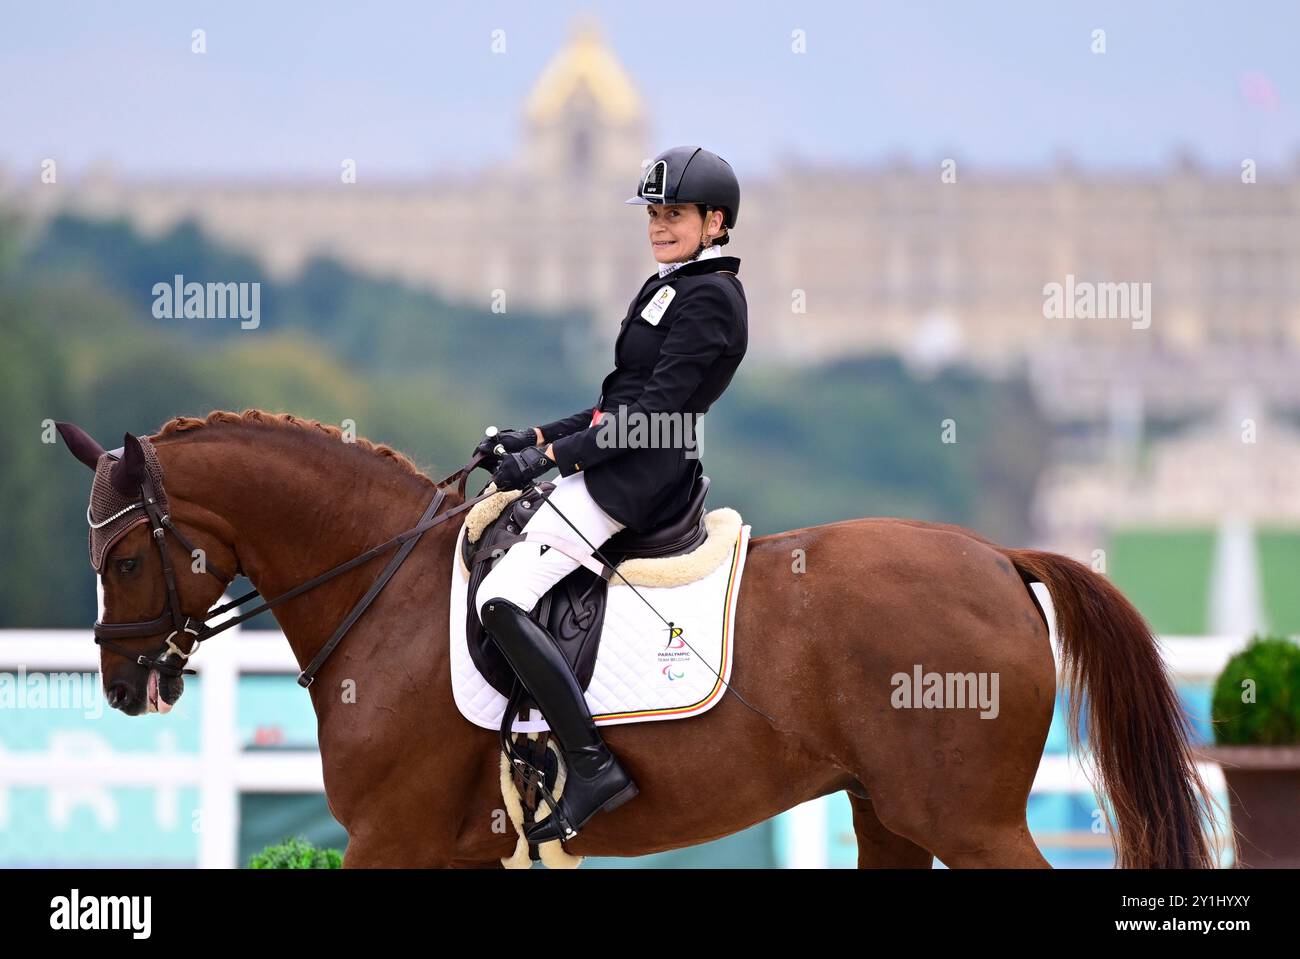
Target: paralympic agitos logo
{"type": "Point", "coordinates": [674, 654]}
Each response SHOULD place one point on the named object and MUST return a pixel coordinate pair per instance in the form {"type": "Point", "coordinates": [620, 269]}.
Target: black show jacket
{"type": "Point", "coordinates": [681, 364]}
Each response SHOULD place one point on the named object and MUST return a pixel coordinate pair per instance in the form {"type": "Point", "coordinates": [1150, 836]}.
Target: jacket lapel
{"type": "Point", "coordinates": [714, 264]}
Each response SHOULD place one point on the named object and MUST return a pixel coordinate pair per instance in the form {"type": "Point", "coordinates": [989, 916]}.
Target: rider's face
{"type": "Point", "coordinates": [675, 230]}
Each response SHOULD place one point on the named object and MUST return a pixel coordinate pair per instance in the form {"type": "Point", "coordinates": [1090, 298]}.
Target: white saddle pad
{"type": "Point", "coordinates": [642, 674]}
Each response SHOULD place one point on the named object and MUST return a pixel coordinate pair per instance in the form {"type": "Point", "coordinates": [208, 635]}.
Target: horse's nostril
{"type": "Point", "coordinates": [118, 693]}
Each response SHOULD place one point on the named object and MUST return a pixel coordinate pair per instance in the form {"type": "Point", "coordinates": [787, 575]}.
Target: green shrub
{"type": "Point", "coordinates": [1272, 667]}
{"type": "Point", "coordinates": [296, 853]}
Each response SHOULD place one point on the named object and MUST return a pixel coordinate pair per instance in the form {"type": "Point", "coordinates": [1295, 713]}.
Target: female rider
{"type": "Point", "coordinates": [680, 343]}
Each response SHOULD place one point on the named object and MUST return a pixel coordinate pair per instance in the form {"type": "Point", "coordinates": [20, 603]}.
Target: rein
{"type": "Point", "coordinates": [202, 629]}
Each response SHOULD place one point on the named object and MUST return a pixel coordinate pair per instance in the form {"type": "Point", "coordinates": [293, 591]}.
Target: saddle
{"type": "Point", "coordinates": [574, 608]}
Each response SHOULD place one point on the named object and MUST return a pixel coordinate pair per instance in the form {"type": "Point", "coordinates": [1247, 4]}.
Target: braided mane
{"type": "Point", "coordinates": [186, 424]}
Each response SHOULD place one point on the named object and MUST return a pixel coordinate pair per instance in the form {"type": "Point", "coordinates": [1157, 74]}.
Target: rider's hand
{"type": "Point", "coordinates": [512, 440]}
{"type": "Point", "coordinates": [517, 469]}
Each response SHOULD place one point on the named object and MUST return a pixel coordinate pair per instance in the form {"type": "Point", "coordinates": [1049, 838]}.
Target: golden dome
{"type": "Point", "coordinates": [585, 62]}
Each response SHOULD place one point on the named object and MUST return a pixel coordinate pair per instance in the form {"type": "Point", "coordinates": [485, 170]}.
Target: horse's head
{"type": "Point", "coordinates": [145, 564]}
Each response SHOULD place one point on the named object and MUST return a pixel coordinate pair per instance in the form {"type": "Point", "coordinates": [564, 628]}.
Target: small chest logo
{"type": "Point", "coordinates": [654, 311]}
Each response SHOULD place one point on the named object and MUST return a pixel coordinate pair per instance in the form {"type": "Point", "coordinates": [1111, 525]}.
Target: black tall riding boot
{"type": "Point", "coordinates": [594, 779]}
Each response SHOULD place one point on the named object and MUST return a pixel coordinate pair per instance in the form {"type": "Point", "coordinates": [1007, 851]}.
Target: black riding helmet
{"type": "Point", "coordinates": [691, 175]}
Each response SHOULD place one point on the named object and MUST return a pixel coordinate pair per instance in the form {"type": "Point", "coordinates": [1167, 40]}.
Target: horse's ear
{"type": "Point", "coordinates": [81, 444]}
{"type": "Point", "coordinates": [128, 472]}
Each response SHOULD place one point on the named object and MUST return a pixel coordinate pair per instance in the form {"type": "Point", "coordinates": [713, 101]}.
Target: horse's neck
{"type": "Point", "coordinates": [297, 508]}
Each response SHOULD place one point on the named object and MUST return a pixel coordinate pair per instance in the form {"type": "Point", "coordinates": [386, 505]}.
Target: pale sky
{"type": "Point", "coordinates": [408, 88]}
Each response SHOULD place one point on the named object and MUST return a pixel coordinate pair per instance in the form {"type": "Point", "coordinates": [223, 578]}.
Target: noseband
{"type": "Point", "coordinates": [172, 617]}
{"type": "Point", "coordinates": [174, 621]}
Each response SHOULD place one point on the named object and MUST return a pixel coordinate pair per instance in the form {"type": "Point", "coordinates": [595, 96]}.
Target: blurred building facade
{"type": "Point", "coordinates": [933, 263]}
{"type": "Point", "coordinates": [1241, 464]}
{"type": "Point", "coordinates": [938, 264]}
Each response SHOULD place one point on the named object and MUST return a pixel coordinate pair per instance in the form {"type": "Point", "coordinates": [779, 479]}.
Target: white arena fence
{"type": "Point", "coordinates": [222, 770]}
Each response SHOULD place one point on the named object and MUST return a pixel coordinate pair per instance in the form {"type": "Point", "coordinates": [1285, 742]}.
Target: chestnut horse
{"type": "Point", "coordinates": [828, 618]}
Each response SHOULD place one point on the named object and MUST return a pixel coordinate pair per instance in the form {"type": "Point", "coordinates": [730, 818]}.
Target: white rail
{"type": "Point", "coordinates": [222, 770]}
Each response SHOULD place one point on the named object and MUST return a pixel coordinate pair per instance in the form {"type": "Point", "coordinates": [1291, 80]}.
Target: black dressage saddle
{"type": "Point", "coordinates": [574, 608]}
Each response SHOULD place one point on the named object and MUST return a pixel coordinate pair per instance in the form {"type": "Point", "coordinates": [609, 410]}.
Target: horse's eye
{"type": "Point", "coordinates": [127, 565]}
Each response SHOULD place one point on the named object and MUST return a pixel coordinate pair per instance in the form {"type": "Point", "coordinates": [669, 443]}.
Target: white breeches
{"type": "Point", "coordinates": [525, 572]}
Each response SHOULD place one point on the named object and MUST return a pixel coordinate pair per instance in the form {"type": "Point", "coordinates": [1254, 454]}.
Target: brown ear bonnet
{"type": "Point", "coordinates": [112, 513]}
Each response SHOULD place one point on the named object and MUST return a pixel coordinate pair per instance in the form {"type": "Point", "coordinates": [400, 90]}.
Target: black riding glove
{"type": "Point", "coordinates": [517, 469]}
{"type": "Point", "coordinates": [512, 440]}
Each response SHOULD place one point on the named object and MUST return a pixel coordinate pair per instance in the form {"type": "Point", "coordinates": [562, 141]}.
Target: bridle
{"type": "Point", "coordinates": [174, 620]}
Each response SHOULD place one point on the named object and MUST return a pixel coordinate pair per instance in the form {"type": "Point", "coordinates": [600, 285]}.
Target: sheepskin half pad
{"type": "Point", "coordinates": [642, 673]}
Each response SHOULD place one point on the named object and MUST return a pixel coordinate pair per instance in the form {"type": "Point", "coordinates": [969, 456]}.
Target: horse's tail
{"type": "Point", "coordinates": [1137, 730]}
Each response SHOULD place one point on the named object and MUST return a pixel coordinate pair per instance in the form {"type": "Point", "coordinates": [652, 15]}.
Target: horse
{"type": "Point", "coordinates": [828, 619]}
